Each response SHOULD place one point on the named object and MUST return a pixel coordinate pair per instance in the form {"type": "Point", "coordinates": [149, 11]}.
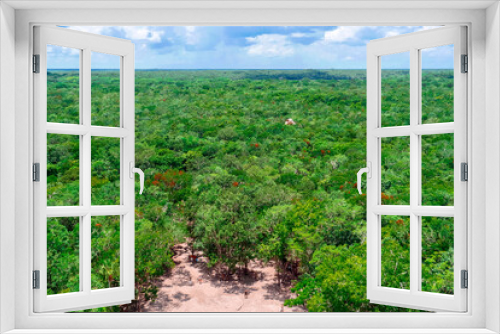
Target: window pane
{"type": "Point", "coordinates": [437, 84]}
{"type": "Point", "coordinates": [63, 170]}
{"type": "Point", "coordinates": [437, 169]}
{"type": "Point", "coordinates": [63, 249]}
{"type": "Point", "coordinates": [437, 254]}
{"type": "Point", "coordinates": [395, 171]}
{"type": "Point", "coordinates": [63, 84]}
{"type": "Point", "coordinates": [105, 252]}
{"type": "Point", "coordinates": [396, 252]}
{"type": "Point", "coordinates": [105, 171]}
{"type": "Point", "coordinates": [395, 87]}
{"type": "Point", "coordinates": [105, 89]}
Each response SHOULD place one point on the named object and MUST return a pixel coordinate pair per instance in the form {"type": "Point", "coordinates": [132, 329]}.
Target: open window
{"type": "Point", "coordinates": [412, 127]}
{"type": "Point", "coordinates": [97, 219]}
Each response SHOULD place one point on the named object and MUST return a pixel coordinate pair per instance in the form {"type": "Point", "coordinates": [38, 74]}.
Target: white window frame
{"type": "Point", "coordinates": [86, 44]}
{"type": "Point", "coordinates": [413, 44]}
{"type": "Point", "coordinates": [483, 247]}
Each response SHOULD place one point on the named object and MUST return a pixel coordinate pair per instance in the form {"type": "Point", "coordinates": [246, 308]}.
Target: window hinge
{"type": "Point", "coordinates": [464, 172]}
{"type": "Point", "coordinates": [465, 279]}
{"type": "Point", "coordinates": [36, 172]}
{"type": "Point", "coordinates": [36, 63]}
{"type": "Point", "coordinates": [465, 64]}
{"type": "Point", "coordinates": [36, 279]}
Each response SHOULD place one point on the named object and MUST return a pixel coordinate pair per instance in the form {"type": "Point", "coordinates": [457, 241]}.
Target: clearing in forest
{"type": "Point", "coordinates": [192, 287]}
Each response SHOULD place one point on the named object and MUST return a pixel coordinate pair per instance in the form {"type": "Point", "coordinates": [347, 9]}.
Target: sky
{"type": "Point", "coordinates": [249, 47]}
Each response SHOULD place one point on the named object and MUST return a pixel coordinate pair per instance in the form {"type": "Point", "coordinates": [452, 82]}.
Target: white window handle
{"type": "Point", "coordinates": [368, 171]}
{"type": "Point", "coordinates": [134, 170]}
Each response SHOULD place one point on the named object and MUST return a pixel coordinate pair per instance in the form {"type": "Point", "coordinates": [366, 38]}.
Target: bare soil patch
{"type": "Point", "coordinates": [192, 287]}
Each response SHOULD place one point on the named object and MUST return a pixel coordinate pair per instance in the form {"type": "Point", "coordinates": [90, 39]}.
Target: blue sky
{"type": "Point", "coordinates": [248, 47]}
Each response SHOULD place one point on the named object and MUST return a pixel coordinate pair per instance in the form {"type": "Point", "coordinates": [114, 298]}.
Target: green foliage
{"type": "Point", "coordinates": [63, 97]}
{"type": "Point", "coordinates": [225, 230]}
{"type": "Point", "coordinates": [105, 252]}
{"type": "Point", "coordinates": [437, 254]}
{"type": "Point", "coordinates": [437, 170]}
{"type": "Point", "coordinates": [338, 283]}
{"type": "Point", "coordinates": [223, 170]}
{"type": "Point", "coordinates": [63, 170]}
{"type": "Point", "coordinates": [63, 261]}
{"type": "Point", "coordinates": [396, 252]}
{"type": "Point", "coordinates": [395, 97]}
{"type": "Point", "coordinates": [437, 96]}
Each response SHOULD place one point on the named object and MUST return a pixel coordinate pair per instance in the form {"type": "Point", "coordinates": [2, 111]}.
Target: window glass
{"type": "Point", "coordinates": [63, 170]}
{"type": "Point", "coordinates": [437, 169]}
{"type": "Point", "coordinates": [395, 252]}
{"type": "Point", "coordinates": [105, 89]}
{"type": "Point", "coordinates": [395, 86]}
{"type": "Point", "coordinates": [63, 249]}
{"type": "Point", "coordinates": [437, 254]}
{"type": "Point", "coordinates": [437, 84]}
{"type": "Point", "coordinates": [105, 252]}
{"type": "Point", "coordinates": [395, 171]}
{"type": "Point", "coordinates": [63, 84]}
{"type": "Point", "coordinates": [105, 171]}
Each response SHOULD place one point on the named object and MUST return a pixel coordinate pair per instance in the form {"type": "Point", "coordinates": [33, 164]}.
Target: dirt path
{"type": "Point", "coordinates": [191, 288]}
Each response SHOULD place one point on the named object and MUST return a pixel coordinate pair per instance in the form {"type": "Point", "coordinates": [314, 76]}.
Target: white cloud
{"type": "Point", "coordinates": [144, 33]}
{"type": "Point", "coordinates": [270, 45]}
{"type": "Point", "coordinates": [192, 38]}
{"type": "Point", "coordinates": [342, 34]}
{"type": "Point", "coordinates": [210, 47]}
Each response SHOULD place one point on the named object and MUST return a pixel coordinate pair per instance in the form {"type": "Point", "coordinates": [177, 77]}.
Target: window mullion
{"type": "Point", "coordinates": [81, 225]}
{"type": "Point", "coordinates": [419, 126]}
{"type": "Point", "coordinates": [86, 162]}
{"type": "Point", "coordinates": [415, 248]}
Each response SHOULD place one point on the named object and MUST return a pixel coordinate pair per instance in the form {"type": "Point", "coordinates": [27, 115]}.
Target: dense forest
{"type": "Point", "coordinates": [226, 173]}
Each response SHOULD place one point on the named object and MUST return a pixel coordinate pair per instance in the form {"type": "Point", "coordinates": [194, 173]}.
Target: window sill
{"type": "Point", "coordinates": [250, 331]}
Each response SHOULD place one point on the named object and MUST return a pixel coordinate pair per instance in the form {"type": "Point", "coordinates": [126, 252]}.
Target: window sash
{"type": "Point", "coordinates": [86, 297]}
{"type": "Point", "coordinates": [414, 298]}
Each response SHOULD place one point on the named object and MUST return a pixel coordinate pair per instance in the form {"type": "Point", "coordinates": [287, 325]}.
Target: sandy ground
{"type": "Point", "coordinates": [190, 287]}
